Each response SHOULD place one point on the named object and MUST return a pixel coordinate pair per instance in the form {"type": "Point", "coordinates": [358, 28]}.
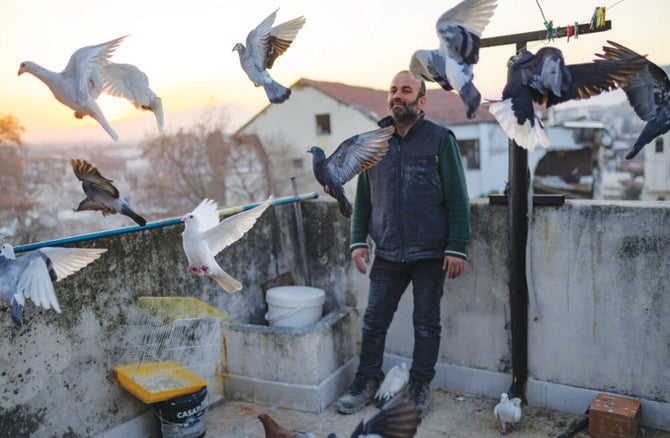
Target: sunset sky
{"type": "Point", "coordinates": [186, 47]}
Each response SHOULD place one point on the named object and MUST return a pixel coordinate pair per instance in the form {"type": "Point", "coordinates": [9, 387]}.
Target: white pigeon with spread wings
{"type": "Point", "coordinates": [459, 30]}
{"type": "Point", "coordinates": [204, 237]}
{"type": "Point", "coordinates": [81, 82]}
{"type": "Point", "coordinates": [507, 411]}
{"type": "Point", "coordinates": [394, 381]}
{"type": "Point", "coordinates": [131, 83]}
{"type": "Point", "coordinates": [31, 275]}
{"type": "Point", "coordinates": [264, 44]}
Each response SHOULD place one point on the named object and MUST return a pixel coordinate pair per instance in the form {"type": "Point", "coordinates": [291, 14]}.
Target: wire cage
{"type": "Point", "coordinates": [172, 346]}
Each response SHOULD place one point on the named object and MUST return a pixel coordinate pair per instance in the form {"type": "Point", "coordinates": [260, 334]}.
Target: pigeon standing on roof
{"type": "Point", "coordinates": [352, 156]}
{"type": "Point", "coordinates": [648, 93]}
{"type": "Point", "coordinates": [394, 381]}
{"type": "Point", "coordinates": [81, 82]}
{"type": "Point", "coordinates": [31, 275]}
{"type": "Point", "coordinates": [275, 430]}
{"type": "Point", "coordinates": [204, 237]}
{"type": "Point", "coordinates": [507, 411]}
{"type": "Point", "coordinates": [459, 31]}
{"type": "Point", "coordinates": [101, 194]}
{"type": "Point", "coordinates": [129, 82]}
{"type": "Point", "coordinates": [264, 44]}
{"type": "Point", "coordinates": [544, 78]}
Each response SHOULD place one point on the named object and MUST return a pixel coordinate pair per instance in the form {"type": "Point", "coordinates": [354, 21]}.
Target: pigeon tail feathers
{"type": "Point", "coordinates": [471, 98]}
{"type": "Point", "coordinates": [17, 314]}
{"type": "Point", "coordinates": [276, 92]}
{"type": "Point", "coordinates": [527, 135]}
{"type": "Point", "coordinates": [227, 282]}
{"type": "Point", "coordinates": [134, 216]}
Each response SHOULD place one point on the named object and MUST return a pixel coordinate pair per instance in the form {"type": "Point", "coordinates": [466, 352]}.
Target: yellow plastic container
{"type": "Point", "coordinates": [154, 382]}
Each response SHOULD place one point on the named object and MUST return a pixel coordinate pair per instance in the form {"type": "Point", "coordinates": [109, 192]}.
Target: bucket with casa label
{"type": "Point", "coordinates": [182, 417]}
{"type": "Point", "coordinates": [294, 306]}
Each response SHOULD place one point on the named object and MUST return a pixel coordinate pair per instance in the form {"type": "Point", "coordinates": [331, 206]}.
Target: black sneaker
{"type": "Point", "coordinates": [361, 393]}
{"type": "Point", "coordinates": [420, 394]}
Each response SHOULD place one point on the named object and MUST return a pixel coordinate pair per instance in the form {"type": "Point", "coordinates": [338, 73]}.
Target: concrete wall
{"type": "Point", "coordinates": [599, 274]}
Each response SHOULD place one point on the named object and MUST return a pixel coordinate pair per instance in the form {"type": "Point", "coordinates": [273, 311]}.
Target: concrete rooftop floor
{"type": "Point", "coordinates": [451, 414]}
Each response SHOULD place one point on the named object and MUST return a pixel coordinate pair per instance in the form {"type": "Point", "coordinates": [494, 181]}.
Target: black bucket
{"type": "Point", "coordinates": [182, 417]}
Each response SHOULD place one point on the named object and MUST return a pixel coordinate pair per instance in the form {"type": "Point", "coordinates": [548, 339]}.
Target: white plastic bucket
{"type": "Point", "coordinates": [294, 306]}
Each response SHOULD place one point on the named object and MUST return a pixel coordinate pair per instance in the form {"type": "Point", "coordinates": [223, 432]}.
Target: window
{"type": "Point", "coordinates": [659, 145]}
{"type": "Point", "coordinates": [323, 124]}
{"type": "Point", "coordinates": [470, 151]}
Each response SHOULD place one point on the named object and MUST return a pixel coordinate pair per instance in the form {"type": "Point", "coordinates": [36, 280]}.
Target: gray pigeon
{"type": "Point", "coordinates": [394, 382]}
{"type": "Point", "coordinates": [32, 274]}
{"type": "Point", "coordinates": [264, 44]}
{"type": "Point", "coordinates": [204, 237]}
{"type": "Point", "coordinates": [459, 30]}
{"type": "Point", "coordinates": [648, 93]}
{"type": "Point", "coordinates": [352, 156]}
{"type": "Point", "coordinates": [81, 82]}
{"type": "Point", "coordinates": [101, 194]}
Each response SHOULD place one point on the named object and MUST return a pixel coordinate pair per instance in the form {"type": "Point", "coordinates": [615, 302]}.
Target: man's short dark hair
{"type": "Point", "coordinates": [422, 83]}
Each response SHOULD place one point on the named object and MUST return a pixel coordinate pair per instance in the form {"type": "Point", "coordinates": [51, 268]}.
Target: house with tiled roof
{"type": "Point", "coordinates": [325, 113]}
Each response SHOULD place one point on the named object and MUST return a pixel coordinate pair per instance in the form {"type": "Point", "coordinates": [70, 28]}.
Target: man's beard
{"type": "Point", "coordinates": [406, 113]}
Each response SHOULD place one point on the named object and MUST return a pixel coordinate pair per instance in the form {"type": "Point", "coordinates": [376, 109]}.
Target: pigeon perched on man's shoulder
{"type": "Point", "coordinates": [204, 237]}
{"type": "Point", "coordinates": [32, 274]}
{"type": "Point", "coordinates": [101, 194]}
{"type": "Point", "coordinates": [264, 44]}
{"type": "Point", "coordinates": [648, 93]}
{"type": "Point", "coordinates": [544, 78]}
{"type": "Point", "coordinates": [352, 156]}
{"type": "Point", "coordinates": [459, 30]}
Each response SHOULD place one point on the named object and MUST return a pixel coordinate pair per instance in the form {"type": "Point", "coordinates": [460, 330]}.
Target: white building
{"type": "Point", "coordinates": [657, 169]}
{"type": "Point", "coordinates": [326, 113]}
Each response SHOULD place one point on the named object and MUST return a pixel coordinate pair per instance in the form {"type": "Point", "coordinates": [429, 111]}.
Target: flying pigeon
{"type": "Point", "coordinates": [274, 430]}
{"type": "Point", "coordinates": [264, 44]}
{"type": "Point", "coordinates": [544, 78]}
{"type": "Point", "coordinates": [129, 82]}
{"type": "Point", "coordinates": [394, 382]}
{"type": "Point", "coordinates": [352, 156]}
{"type": "Point", "coordinates": [507, 411]}
{"type": "Point", "coordinates": [648, 93]}
{"type": "Point", "coordinates": [204, 237]}
{"type": "Point", "coordinates": [101, 194]}
{"type": "Point", "coordinates": [459, 31]}
{"type": "Point", "coordinates": [32, 274]}
{"type": "Point", "coordinates": [80, 84]}
{"type": "Point", "coordinates": [399, 418]}
{"type": "Point", "coordinates": [88, 74]}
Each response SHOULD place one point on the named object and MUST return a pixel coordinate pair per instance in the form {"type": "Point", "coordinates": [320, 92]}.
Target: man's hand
{"type": "Point", "coordinates": [454, 266]}
{"type": "Point", "coordinates": [361, 257]}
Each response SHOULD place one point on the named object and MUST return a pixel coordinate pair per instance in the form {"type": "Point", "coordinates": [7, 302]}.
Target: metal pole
{"type": "Point", "coordinates": [301, 235]}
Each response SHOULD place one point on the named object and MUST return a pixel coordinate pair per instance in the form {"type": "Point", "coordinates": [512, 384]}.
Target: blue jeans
{"type": "Point", "coordinates": [388, 281]}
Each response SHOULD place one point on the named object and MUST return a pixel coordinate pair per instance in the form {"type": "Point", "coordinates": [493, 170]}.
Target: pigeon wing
{"type": "Point", "coordinates": [233, 228]}
{"type": "Point", "coordinates": [85, 171]}
{"type": "Point", "coordinates": [429, 65]}
{"type": "Point", "coordinates": [67, 261]}
{"type": "Point", "coordinates": [259, 39]}
{"type": "Point", "coordinates": [358, 153]}
{"type": "Point", "coordinates": [399, 418]}
{"type": "Point", "coordinates": [207, 214]}
{"type": "Point", "coordinates": [86, 66]}
{"type": "Point", "coordinates": [646, 92]}
{"type": "Point", "coordinates": [35, 282]}
{"type": "Point", "coordinates": [473, 15]}
{"type": "Point", "coordinates": [280, 38]}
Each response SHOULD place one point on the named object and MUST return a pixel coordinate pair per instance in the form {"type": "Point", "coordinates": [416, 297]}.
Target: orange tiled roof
{"type": "Point", "coordinates": [441, 106]}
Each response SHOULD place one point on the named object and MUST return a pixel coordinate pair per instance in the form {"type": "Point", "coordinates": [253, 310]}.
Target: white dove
{"type": "Point", "coordinates": [507, 411]}
{"type": "Point", "coordinates": [32, 274]}
{"type": "Point", "coordinates": [459, 30]}
{"type": "Point", "coordinates": [264, 44]}
{"type": "Point", "coordinates": [204, 237]}
{"type": "Point", "coordinates": [81, 82]}
{"type": "Point", "coordinates": [129, 82]}
{"type": "Point", "coordinates": [394, 382]}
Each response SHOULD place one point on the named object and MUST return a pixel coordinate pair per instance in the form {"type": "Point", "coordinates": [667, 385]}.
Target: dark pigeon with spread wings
{"type": "Point", "coordinates": [544, 78]}
{"type": "Point", "coordinates": [352, 156]}
{"type": "Point", "coordinates": [399, 418]}
{"type": "Point", "coordinates": [459, 31]}
{"type": "Point", "coordinates": [648, 93]}
{"type": "Point", "coordinates": [101, 194]}
{"type": "Point", "coordinates": [264, 44]}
